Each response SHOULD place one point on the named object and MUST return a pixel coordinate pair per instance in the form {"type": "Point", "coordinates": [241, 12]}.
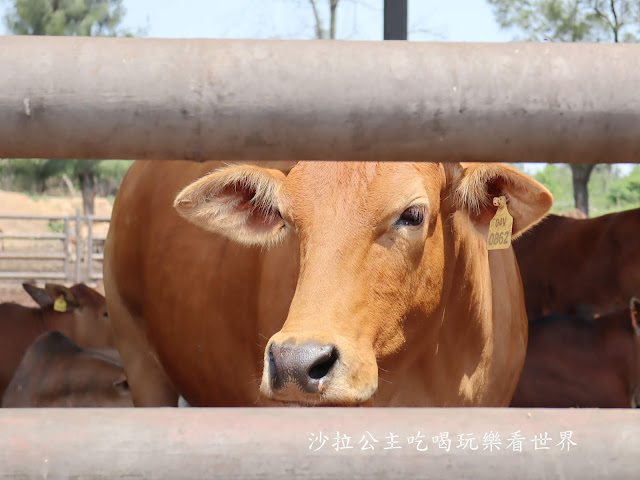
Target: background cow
{"type": "Point", "coordinates": [57, 372]}
{"type": "Point", "coordinates": [572, 265]}
{"type": "Point", "coordinates": [358, 267]}
{"type": "Point", "coordinates": [84, 319]}
{"type": "Point", "coordinates": [582, 361]}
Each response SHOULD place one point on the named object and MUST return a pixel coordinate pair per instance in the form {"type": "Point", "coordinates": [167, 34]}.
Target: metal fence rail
{"type": "Point", "coordinates": [290, 100]}
{"type": "Point", "coordinates": [74, 255]}
{"type": "Point", "coordinates": [286, 443]}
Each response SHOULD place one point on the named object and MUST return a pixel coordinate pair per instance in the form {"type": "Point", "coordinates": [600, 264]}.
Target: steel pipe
{"type": "Point", "coordinates": [290, 443]}
{"type": "Point", "coordinates": [290, 100]}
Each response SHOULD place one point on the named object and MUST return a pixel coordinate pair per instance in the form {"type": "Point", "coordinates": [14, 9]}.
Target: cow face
{"type": "Point", "coordinates": [375, 243]}
{"type": "Point", "coordinates": [79, 310]}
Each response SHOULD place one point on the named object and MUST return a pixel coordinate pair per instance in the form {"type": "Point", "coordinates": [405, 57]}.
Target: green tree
{"type": "Point", "coordinates": [571, 21]}
{"type": "Point", "coordinates": [65, 17]}
{"type": "Point", "coordinates": [557, 178]}
{"type": "Point", "coordinates": [625, 191]}
{"type": "Point", "coordinates": [72, 18]}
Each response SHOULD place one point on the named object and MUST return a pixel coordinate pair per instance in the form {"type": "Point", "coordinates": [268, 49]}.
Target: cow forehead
{"type": "Point", "coordinates": [86, 295]}
{"type": "Point", "coordinates": [368, 189]}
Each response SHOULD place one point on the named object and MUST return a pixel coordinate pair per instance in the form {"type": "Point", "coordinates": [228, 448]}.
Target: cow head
{"type": "Point", "coordinates": [375, 244]}
{"type": "Point", "coordinates": [79, 311]}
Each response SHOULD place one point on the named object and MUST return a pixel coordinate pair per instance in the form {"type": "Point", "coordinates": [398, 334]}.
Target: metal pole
{"type": "Point", "coordinates": [292, 443]}
{"type": "Point", "coordinates": [290, 100]}
{"type": "Point", "coordinates": [395, 19]}
{"type": "Point", "coordinates": [78, 246]}
{"type": "Point", "coordinates": [65, 247]}
{"type": "Point", "coordinates": [89, 276]}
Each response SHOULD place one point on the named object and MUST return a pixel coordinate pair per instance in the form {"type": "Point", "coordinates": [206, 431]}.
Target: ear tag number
{"type": "Point", "coordinates": [500, 226]}
{"type": "Point", "coordinates": [60, 305]}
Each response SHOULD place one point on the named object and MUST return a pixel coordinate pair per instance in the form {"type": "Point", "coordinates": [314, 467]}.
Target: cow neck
{"type": "Point", "coordinates": [483, 320]}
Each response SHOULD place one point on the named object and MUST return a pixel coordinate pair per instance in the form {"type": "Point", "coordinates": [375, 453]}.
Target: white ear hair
{"type": "Point", "coordinates": [528, 201]}
{"type": "Point", "coordinates": [239, 202]}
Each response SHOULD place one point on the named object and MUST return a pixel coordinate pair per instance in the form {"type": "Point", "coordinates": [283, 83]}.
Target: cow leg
{"type": "Point", "coordinates": [148, 382]}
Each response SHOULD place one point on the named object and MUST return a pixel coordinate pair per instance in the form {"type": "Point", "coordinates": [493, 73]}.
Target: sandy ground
{"type": "Point", "coordinates": [18, 203]}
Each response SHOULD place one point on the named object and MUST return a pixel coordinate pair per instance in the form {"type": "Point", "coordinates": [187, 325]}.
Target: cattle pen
{"type": "Point", "coordinates": [73, 259]}
{"type": "Point", "coordinates": [240, 100]}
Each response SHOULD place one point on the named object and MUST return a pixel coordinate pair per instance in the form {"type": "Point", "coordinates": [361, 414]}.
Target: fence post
{"type": "Point", "coordinates": [66, 241]}
{"type": "Point", "coordinates": [78, 248]}
{"type": "Point", "coordinates": [89, 248]}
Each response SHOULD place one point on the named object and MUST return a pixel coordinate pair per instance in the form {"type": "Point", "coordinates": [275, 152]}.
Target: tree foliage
{"type": "Point", "coordinates": [609, 189]}
{"type": "Point", "coordinates": [65, 17]}
{"type": "Point", "coordinates": [570, 20]}
{"type": "Point", "coordinates": [625, 191]}
{"type": "Point", "coordinates": [43, 176]}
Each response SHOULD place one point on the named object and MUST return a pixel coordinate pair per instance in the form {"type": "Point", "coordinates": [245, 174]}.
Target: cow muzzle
{"type": "Point", "coordinates": [316, 373]}
{"type": "Point", "coordinates": [307, 366]}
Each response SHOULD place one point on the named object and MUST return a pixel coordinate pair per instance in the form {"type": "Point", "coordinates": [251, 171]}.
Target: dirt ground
{"type": "Point", "coordinates": [18, 203]}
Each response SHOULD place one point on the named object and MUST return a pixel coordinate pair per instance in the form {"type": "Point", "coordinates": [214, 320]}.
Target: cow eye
{"type": "Point", "coordinates": [411, 217]}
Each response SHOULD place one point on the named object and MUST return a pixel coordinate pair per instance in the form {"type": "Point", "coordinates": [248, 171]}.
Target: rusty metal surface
{"type": "Point", "coordinates": [283, 443]}
{"type": "Point", "coordinates": [291, 100]}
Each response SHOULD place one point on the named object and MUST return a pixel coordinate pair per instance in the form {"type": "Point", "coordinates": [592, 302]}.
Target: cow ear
{"type": "Point", "coordinates": [240, 203]}
{"type": "Point", "coordinates": [56, 291]}
{"type": "Point", "coordinates": [39, 295]}
{"type": "Point", "coordinates": [528, 201]}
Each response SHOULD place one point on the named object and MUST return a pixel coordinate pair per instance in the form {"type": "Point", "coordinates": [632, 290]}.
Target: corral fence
{"type": "Point", "coordinates": [71, 252]}
{"type": "Point", "coordinates": [238, 100]}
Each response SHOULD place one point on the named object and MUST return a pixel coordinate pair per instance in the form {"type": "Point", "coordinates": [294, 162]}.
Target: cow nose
{"type": "Point", "coordinates": [305, 365]}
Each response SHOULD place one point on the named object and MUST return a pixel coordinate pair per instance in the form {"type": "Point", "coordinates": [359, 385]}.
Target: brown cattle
{"type": "Point", "coordinates": [57, 372]}
{"type": "Point", "coordinates": [350, 268]}
{"type": "Point", "coordinates": [574, 265]}
{"type": "Point", "coordinates": [575, 213]}
{"type": "Point", "coordinates": [84, 319]}
{"type": "Point", "coordinates": [579, 361]}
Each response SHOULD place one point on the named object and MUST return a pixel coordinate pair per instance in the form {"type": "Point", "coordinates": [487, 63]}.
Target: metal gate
{"type": "Point", "coordinates": [71, 252]}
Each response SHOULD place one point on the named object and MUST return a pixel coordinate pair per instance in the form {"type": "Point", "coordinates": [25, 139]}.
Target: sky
{"type": "Point", "coordinates": [452, 20]}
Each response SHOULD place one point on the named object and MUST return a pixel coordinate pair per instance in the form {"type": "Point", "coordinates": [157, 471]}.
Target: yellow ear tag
{"type": "Point", "coordinates": [60, 305]}
{"type": "Point", "coordinates": [500, 227]}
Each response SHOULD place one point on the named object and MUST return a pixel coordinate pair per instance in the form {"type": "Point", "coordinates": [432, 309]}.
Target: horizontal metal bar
{"type": "Point", "coordinates": [36, 275]}
{"type": "Point", "coordinates": [10, 216]}
{"type": "Point", "coordinates": [9, 255]}
{"type": "Point", "coordinates": [291, 100]}
{"type": "Point", "coordinates": [32, 236]}
{"type": "Point", "coordinates": [97, 256]}
{"type": "Point", "coordinates": [300, 443]}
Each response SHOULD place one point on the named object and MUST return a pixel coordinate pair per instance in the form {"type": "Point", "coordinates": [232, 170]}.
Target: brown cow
{"type": "Point", "coordinates": [580, 265]}
{"type": "Point", "coordinates": [84, 319]}
{"type": "Point", "coordinates": [359, 267]}
{"type": "Point", "coordinates": [573, 361]}
{"type": "Point", "coordinates": [57, 372]}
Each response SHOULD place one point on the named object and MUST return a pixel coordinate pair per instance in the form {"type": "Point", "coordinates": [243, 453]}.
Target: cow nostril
{"type": "Point", "coordinates": [323, 365]}
{"type": "Point", "coordinates": [272, 365]}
